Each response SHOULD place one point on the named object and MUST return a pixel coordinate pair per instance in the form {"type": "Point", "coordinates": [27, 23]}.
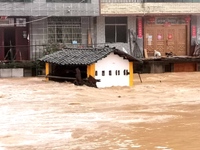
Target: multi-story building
{"type": "Point", "coordinates": [134, 26]}
{"type": "Point", "coordinates": [27, 25]}
{"type": "Point", "coordinates": [162, 25]}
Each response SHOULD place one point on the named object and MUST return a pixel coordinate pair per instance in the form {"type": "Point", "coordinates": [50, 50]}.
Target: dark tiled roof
{"type": "Point", "coordinates": [74, 56]}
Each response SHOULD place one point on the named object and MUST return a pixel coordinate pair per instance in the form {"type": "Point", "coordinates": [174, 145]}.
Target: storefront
{"type": "Point", "coordinates": [167, 34]}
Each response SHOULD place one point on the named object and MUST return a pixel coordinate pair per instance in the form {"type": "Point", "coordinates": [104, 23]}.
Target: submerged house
{"type": "Point", "coordinates": [112, 67]}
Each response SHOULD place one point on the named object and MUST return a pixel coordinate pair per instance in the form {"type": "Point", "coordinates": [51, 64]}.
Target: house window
{"type": "Point", "coordinates": [126, 72]}
{"type": "Point", "coordinates": [103, 73]}
{"type": "Point", "coordinates": [64, 30]}
{"type": "Point", "coordinates": [21, 22]}
{"type": "Point", "coordinates": [70, 1]}
{"type": "Point", "coordinates": [117, 72]}
{"type": "Point", "coordinates": [116, 29]}
{"type": "Point", "coordinates": [110, 73]}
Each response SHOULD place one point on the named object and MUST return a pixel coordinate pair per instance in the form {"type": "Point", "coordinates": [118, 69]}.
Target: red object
{"type": "Point", "coordinates": [187, 19]}
{"type": "Point", "coordinates": [167, 24]}
{"type": "Point", "coordinates": [3, 17]}
{"type": "Point", "coordinates": [194, 31]}
{"type": "Point", "coordinates": [169, 36]}
{"type": "Point", "coordinates": [152, 20]}
{"type": "Point", "coordinates": [159, 37]}
{"type": "Point", "coordinates": [140, 32]}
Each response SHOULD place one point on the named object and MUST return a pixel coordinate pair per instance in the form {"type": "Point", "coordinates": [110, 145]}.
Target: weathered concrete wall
{"type": "Point", "coordinates": [43, 8]}
{"type": "Point", "coordinates": [17, 72]}
{"type": "Point", "coordinates": [11, 72]}
{"type": "Point", "coordinates": [148, 8]}
{"type": "Point", "coordinates": [157, 68]}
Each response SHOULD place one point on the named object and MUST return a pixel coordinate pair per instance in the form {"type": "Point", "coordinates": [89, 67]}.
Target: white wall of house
{"type": "Point", "coordinates": [112, 63]}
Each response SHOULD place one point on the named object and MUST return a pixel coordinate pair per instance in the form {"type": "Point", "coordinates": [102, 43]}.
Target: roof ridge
{"type": "Point", "coordinates": [83, 56]}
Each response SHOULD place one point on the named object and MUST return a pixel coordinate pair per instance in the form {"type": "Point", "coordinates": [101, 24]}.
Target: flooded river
{"type": "Point", "coordinates": [161, 113]}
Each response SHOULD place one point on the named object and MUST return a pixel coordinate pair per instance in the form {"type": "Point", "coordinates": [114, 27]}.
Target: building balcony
{"type": "Point", "coordinates": [148, 7]}
{"type": "Point", "coordinates": [49, 8]}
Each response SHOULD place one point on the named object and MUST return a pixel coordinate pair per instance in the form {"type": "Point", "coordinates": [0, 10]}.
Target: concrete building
{"type": "Point", "coordinates": [27, 25]}
{"type": "Point", "coordinates": [137, 27]}
{"type": "Point", "coordinates": [163, 25]}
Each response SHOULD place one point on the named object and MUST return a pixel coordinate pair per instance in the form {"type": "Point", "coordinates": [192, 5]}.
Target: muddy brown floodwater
{"type": "Point", "coordinates": [162, 113]}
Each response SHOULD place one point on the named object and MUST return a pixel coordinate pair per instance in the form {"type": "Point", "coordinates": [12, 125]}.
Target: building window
{"type": "Point", "coordinates": [110, 73]}
{"type": "Point", "coordinates": [126, 72]}
{"type": "Point", "coordinates": [21, 22]}
{"type": "Point", "coordinates": [65, 30]}
{"type": "Point", "coordinates": [69, 1]}
{"type": "Point", "coordinates": [103, 73]}
{"type": "Point", "coordinates": [116, 29]}
{"type": "Point", "coordinates": [117, 72]}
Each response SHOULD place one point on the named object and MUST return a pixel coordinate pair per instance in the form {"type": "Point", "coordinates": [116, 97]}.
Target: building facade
{"type": "Point", "coordinates": [162, 25]}
{"type": "Point", "coordinates": [27, 25]}
{"type": "Point", "coordinates": [133, 26]}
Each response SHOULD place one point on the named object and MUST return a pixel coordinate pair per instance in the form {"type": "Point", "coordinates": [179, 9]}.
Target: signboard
{"type": "Point", "coordinates": [140, 33]}
{"type": "Point", "coordinates": [164, 20]}
{"type": "Point", "coordinates": [194, 31]}
{"type": "Point", "coordinates": [21, 22]}
{"type": "Point", "coordinates": [7, 22]}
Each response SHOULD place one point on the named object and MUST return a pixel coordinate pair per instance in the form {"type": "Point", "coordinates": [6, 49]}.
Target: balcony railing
{"type": "Point", "coordinates": [171, 1]}
{"type": "Point", "coordinates": [121, 1]}
{"type": "Point", "coordinates": [25, 1]}
{"type": "Point", "coordinates": [150, 1]}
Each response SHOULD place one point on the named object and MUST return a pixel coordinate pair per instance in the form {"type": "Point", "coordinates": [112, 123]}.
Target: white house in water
{"type": "Point", "coordinates": [111, 66]}
{"type": "Point", "coordinates": [114, 70]}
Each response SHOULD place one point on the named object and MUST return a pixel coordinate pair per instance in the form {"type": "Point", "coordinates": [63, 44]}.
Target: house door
{"type": "Point", "coordinates": [184, 67]}
{"type": "Point", "coordinates": [22, 44]}
{"type": "Point", "coordinates": [1, 44]}
{"type": "Point", "coordinates": [166, 39]}
{"type": "Point", "coordinates": [9, 44]}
